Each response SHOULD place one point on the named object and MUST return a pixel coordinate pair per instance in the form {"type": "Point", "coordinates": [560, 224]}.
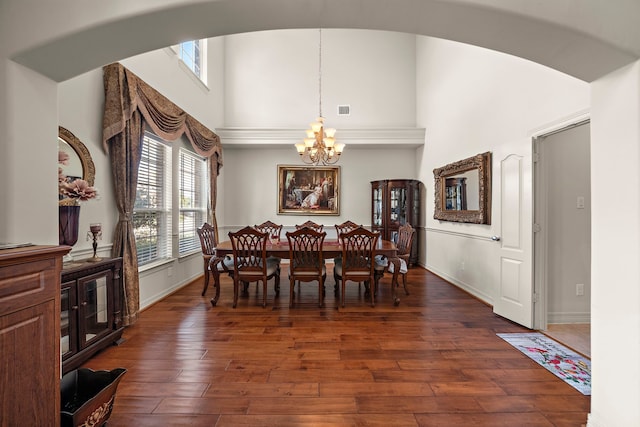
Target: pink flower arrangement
{"type": "Point", "coordinates": [79, 189]}
{"type": "Point", "coordinates": [75, 191]}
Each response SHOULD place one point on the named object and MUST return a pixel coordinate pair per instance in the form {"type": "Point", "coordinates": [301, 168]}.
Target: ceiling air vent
{"type": "Point", "coordinates": [344, 110]}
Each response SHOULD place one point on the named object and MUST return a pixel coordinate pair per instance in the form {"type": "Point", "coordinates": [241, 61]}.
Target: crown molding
{"type": "Point", "coordinates": [255, 137]}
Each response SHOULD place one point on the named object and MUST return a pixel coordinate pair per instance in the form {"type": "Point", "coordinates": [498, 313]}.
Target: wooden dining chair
{"type": "Point", "coordinates": [403, 243]}
{"type": "Point", "coordinates": [358, 251]}
{"type": "Point", "coordinates": [310, 224]}
{"type": "Point", "coordinates": [208, 243]}
{"type": "Point", "coordinates": [271, 228]}
{"type": "Point", "coordinates": [306, 260]}
{"type": "Point", "coordinates": [274, 231]}
{"type": "Point", "coordinates": [345, 227]}
{"type": "Point", "coordinates": [250, 262]}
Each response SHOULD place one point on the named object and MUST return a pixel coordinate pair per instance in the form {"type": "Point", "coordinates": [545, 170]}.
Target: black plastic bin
{"type": "Point", "coordinates": [87, 396]}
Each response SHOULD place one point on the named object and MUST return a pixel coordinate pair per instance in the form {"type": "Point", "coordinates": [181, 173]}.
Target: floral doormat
{"type": "Point", "coordinates": [564, 363]}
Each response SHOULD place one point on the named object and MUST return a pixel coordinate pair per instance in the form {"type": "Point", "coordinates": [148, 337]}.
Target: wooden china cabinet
{"type": "Point", "coordinates": [395, 202]}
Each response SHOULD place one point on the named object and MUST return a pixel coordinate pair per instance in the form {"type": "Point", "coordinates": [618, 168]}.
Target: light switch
{"type": "Point", "coordinates": [580, 202]}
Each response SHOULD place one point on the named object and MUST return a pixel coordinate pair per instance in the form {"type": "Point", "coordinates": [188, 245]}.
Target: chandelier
{"type": "Point", "coordinates": [320, 147]}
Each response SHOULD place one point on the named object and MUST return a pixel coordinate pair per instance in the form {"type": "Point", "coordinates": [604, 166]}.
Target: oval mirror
{"type": "Point", "coordinates": [76, 161]}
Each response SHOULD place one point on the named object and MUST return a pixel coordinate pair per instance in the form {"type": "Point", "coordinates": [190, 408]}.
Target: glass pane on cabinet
{"type": "Point", "coordinates": [95, 308]}
{"type": "Point", "coordinates": [65, 319]}
{"type": "Point", "coordinates": [377, 206]}
{"type": "Point", "coordinates": [398, 199]}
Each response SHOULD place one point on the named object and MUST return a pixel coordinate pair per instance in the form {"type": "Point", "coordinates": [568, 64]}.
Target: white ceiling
{"type": "Point", "coordinates": [583, 38]}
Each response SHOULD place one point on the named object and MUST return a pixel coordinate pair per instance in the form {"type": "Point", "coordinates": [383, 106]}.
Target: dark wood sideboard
{"type": "Point", "coordinates": [29, 330]}
{"type": "Point", "coordinates": [91, 309]}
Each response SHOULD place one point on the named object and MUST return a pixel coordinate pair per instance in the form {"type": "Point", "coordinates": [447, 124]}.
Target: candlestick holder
{"type": "Point", "coordinates": [95, 233]}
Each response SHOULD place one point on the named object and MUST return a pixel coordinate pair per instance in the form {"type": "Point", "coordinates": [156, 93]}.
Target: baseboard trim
{"type": "Point", "coordinates": [468, 288]}
{"type": "Point", "coordinates": [569, 317]}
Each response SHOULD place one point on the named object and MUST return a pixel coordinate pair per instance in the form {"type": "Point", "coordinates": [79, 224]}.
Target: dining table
{"type": "Point", "coordinates": [331, 248]}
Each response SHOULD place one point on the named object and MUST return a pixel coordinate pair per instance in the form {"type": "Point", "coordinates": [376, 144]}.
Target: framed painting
{"type": "Point", "coordinates": [308, 190]}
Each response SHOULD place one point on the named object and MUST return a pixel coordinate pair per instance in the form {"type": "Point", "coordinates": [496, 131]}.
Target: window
{"type": "Point", "coordinates": [193, 200]}
{"type": "Point", "coordinates": [152, 209]}
{"type": "Point", "coordinates": [171, 200]}
{"type": "Point", "coordinates": [194, 54]}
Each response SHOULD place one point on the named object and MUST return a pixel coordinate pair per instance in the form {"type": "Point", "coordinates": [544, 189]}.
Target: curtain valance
{"type": "Point", "coordinates": [125, 92]}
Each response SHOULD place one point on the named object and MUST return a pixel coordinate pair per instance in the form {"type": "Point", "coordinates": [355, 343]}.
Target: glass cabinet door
{"type": "Point", "coordinates": [94, 307]}
{"type": "Point", "coordinates": [69, 309]}
{"type": "Point", "coordinates": [377, 206]}
{"type": "Point", "coordinates": [398, 205]}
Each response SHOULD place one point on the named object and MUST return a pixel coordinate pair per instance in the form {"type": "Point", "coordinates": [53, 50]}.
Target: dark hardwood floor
{"type": "Point", "coordinates": [434, 360]}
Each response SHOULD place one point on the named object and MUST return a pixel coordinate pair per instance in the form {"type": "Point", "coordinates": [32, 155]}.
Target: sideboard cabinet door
{"type": "Point", "coordinates": [91, 316]}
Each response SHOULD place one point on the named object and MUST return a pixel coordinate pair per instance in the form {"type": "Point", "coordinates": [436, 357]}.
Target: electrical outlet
{"type": "Point", "coordinates": [170, 271]}
{"type": "Point", "coordinates": [580, 289]}
{"type": "Point", "coordinates": [462, 265]}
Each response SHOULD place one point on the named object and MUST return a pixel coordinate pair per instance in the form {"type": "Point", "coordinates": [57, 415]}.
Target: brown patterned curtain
{"type": "Point", "coordinates": [130, 105]}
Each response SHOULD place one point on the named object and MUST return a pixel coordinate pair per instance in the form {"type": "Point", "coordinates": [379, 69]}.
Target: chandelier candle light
{"type": "Point", "coordinates": [320, 147]}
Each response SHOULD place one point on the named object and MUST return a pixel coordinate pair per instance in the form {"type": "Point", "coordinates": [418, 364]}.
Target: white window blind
{"type": "Point", "coordinates": [151, 214]}
{"type": "Point", "coordinates": [193, 200]}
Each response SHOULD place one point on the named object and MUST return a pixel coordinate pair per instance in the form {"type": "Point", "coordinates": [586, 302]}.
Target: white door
{"type": "Point", "coordinates": [514, 296]}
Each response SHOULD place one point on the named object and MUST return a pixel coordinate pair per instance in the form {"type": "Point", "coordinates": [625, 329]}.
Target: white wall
{"type": "Point", "coordinates": [567, 228]}
{"type": "Point", "coordinates": [28, 102]}
{"type": "Point", "coordinates": [615, 242]}
{"type": "Point", "coordinates": [80, 106]}
{"type": "Point", "coordinates": [472, 100]}
{"type": "Point", "coordinates": [272, 78]}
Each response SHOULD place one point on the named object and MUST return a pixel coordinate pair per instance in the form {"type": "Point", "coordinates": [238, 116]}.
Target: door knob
{"type": "Point", "coordinates": [495, 238]}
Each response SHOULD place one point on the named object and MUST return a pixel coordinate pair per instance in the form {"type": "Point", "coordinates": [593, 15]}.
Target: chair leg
{"type": "Point", "coordinates": [245, 289]}
{"type": "Point", "coordinates": [216, 284]}
{"type": "Point", "coordinates": [373, 293]}
{"type": "Point", "coordinates": [264, 293]}
{"type": "Point", "coordinates": [343, 292]}
{"type": "Point", "coordinates": [321, 291]}
{"type": "Point", "coordinates": [292, 286]}
{"type": "Point", "coordinates": [235, 292]}
{"type": "Point", "coordinates": [206, 277]}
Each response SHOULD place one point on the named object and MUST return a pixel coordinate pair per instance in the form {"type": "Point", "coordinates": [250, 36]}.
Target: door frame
{"type": "Point", "coordinates": [540, 220]}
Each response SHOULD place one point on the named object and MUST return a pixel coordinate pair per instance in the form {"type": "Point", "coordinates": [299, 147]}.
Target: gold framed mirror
{"type": "Point", "coordinates": [463, 190]}
{"type": "Point", "coordinates": [78, 163]}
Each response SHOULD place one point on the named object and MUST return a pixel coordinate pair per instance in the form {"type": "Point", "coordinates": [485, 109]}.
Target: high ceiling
{"type": "Point", "coordinates": [583, 38]}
